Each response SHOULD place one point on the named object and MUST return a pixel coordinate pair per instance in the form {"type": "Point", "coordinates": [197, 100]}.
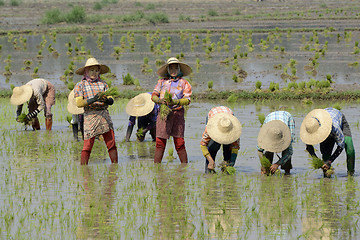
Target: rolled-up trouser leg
{"type": "Point", "coordinates": [350, 155]}
{"type": "Point", "coordinates": [109, 138]}
{"type": "Point", "coordinates": [86, 151]}
{"type": "Point", "coordinates": [181, 150]}
{"type": "Point", "coordinates": [213, 148]}
{"type": "Point", "coordinates": [159, 150]}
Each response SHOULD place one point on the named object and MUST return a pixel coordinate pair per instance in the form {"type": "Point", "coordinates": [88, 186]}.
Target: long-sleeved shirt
{"type": "Point", "coordinates": [235, 146]}
{"type": "Point", "coordinates": [286, 118]}
{"type": "Point", "coordinates": [39, 87]}
{"type": "Point", "coordinates": [147, 121]}
{"type": "Point", "coordinates": [337, 126]}
{"type": "Point", "coordinates": [179, 88]}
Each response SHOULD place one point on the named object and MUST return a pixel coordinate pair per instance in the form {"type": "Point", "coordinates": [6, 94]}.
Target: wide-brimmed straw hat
{"type": "Point", "coordinates": [71, 106]}
{"type": "Point", "coordinates": [274, 136]}
{"type": "Point", "coordinates": [315, 127]}
{"type": "Point", "coordinates": [21, 94]}
{"type": "Point", "coordinates": [140, 105]}
{"type": "Point", "coordinates": [184, 68]}
{"type": "Point", "coordinates": [224, 128]}
{"type": "Point", "coordinates": [93, 62]}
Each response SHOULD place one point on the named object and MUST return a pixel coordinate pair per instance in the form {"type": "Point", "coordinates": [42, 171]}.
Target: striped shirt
{"type": "Point", "coordinates": [179, 88]}
{"type": "Point", "coordinates": [39, 87]}
{"type": "Point", "coordinates": [205, 136]}
{"type": "Point", "coordinates": [337, 126]}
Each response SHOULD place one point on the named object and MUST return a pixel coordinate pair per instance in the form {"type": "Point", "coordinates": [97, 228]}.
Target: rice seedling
{"type": "Point", "coordinates": [210, 85]}
{"type": "Point", "coordinates": [265, 163]}
{"type": "Point", "coordinates": [316, 163]}
{"type": "Point", "coordinates": [112, 91]}
{"type": "Point", "coordinates": [164, 109]}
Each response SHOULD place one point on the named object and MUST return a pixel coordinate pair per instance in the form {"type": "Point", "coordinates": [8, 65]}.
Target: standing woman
{"type": "Point", "coordinates": [174, 124]}
{"type": "Point", "coordinates": [97, 120]}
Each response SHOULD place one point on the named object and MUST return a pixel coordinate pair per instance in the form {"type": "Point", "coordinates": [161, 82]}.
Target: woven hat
{"type": "Point", "coordinates": [71, 106]}
{"type": "Point", "coordinates": [92, 62]}
{"type": "Point", "coordinates": [184, 68]}
{"type": "Point", "coordinates": [274, 136]}
{"type": "Point", "coordinates": [21, 94]}
{"type": "Point", "coordinates": [224, 128]}
{"type": "Point", "coordinates": [140, 105]}
{"type": "Point", "coordinates": [315, 127]}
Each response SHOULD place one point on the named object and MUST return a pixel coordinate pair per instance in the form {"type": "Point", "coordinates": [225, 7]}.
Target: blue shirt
{"type": "Point", "coordinates": [337, 126]}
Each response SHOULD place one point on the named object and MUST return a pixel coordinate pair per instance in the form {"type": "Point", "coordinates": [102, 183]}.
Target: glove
{"type": "Point", "coordinates": [32, 115]}
{"type": "Point", "coordinates": [174, 102]}
{"type": "Point", "coordinates": [109, 101]}
{"type": "Point", "coordinates": [94, 99]}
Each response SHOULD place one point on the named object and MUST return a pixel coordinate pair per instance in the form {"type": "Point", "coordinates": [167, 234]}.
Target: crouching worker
{"type": "Point", "coordinates": [40, 95]}
{"type": "Point", "coordinates": [222, 129]}
{"type": "Point", "coordinates": [97, 119]}
{"type": "Point", "coordinates": [277, 135]}
{"type": "Point", "coordinates": [327, 127]}
{"type": "Point", "coordinates": [145, 111]}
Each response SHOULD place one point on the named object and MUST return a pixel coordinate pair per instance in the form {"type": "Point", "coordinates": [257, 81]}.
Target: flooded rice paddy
{"type": "Point", "coordinates": [46, 194]}
{"type": "Point", "coordinates": [214, 56]}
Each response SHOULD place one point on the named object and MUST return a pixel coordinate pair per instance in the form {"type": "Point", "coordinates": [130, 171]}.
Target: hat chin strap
{"type": "Point", "coordinates": [312, 125]}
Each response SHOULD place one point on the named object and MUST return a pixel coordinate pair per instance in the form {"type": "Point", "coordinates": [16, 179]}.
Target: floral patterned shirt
{"type": "Point", "coordinates": [179, 88]}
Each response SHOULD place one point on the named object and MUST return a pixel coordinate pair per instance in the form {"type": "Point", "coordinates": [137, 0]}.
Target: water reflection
{"type": "Point", "coordinates": [173, 215]}
{"type": "Point", "coordinates": [96, 220]}
{"type": "Point", "coordinates": [222, 206]}
{"type": "Point", "coordinates": [277, 205]}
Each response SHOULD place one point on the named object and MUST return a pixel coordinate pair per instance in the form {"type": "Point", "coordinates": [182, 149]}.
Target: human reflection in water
{"type": "Point", "coordinates": [277, 206]}
{"type": "Point", "coordinates": [329, 214]}
{"type": "Point", "coordinates": [96, 221]}
{"type": "Point", "coordinates": [173, 215]}
{"type": "Point", "coordinates": [143, 150]}
{"type": "Point", "coordinates": [222, 204]}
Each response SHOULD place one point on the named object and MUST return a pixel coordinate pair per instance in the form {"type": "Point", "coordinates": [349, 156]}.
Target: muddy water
{"type": "Point", "coordinates": [44, 192]}
{"type": "Point", "coordinates": [259, 63]}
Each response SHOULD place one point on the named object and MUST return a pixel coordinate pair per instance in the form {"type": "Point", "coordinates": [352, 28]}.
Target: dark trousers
{"type": "Point", "coordinates": [270, 156]}
{"type": "Point", "coordinates": [213, 148]}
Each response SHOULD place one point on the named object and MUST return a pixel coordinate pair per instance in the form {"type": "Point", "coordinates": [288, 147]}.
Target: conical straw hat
{"type": "Point", "coordinates": [274, 136]}
{"type": "Point", "coordinates": [140, 105]}
{"type": "Point", "coordinates": [224, 128]}
{"type": "Point", "coordinates": [21, 94]}
{"type": "Point", "coordinates": [184, 68]}
{"type": "Point", "coordinates": [71, 106]}
{"type": "Point", "coordinates": [315, 127]}
{"type": "Point", "coordinates": [92, 62]}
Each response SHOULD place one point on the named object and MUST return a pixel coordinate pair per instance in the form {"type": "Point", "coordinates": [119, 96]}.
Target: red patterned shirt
{"type": "Point", "coordinates": [88, 90]}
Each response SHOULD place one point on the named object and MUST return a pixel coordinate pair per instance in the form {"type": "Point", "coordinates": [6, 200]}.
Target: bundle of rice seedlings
{"type": "Point", "coordinates": [140, 133]}
{"type": "Point", "coordinates": [330, 172]}
{"type": "Point", "coordinates": [316, 163]}
{"type": "Point", "coordinates": [22, 118]}
{"type": "Point", "coordinates": [113, 91]}
{"type": "Point", "coordinates": [265, 163]}
{"type": "Point", "coordinates": [164, 109]}
{"type": "Point", "coordinates": [230, 170]}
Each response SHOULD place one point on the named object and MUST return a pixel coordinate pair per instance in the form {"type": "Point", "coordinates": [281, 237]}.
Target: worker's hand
{"type": "Point", "coordinates": [32, 115]}
{"type": "Point", "coordinates": [163, 101]}
{"type": "Point", "coordinates": [326, 166]}
{"type": "Point", "coordinates": [174, 102]}
{"type": "Point", "coordinates": [274, 167]}
{"type": "Point", "coordinates": [211, 164]}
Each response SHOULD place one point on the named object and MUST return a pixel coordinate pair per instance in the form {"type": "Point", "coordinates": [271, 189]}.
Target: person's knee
{"type": "Point", "coordinates": [179, 143]}
{"type": "Point", "coordinates": [160, 143]}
